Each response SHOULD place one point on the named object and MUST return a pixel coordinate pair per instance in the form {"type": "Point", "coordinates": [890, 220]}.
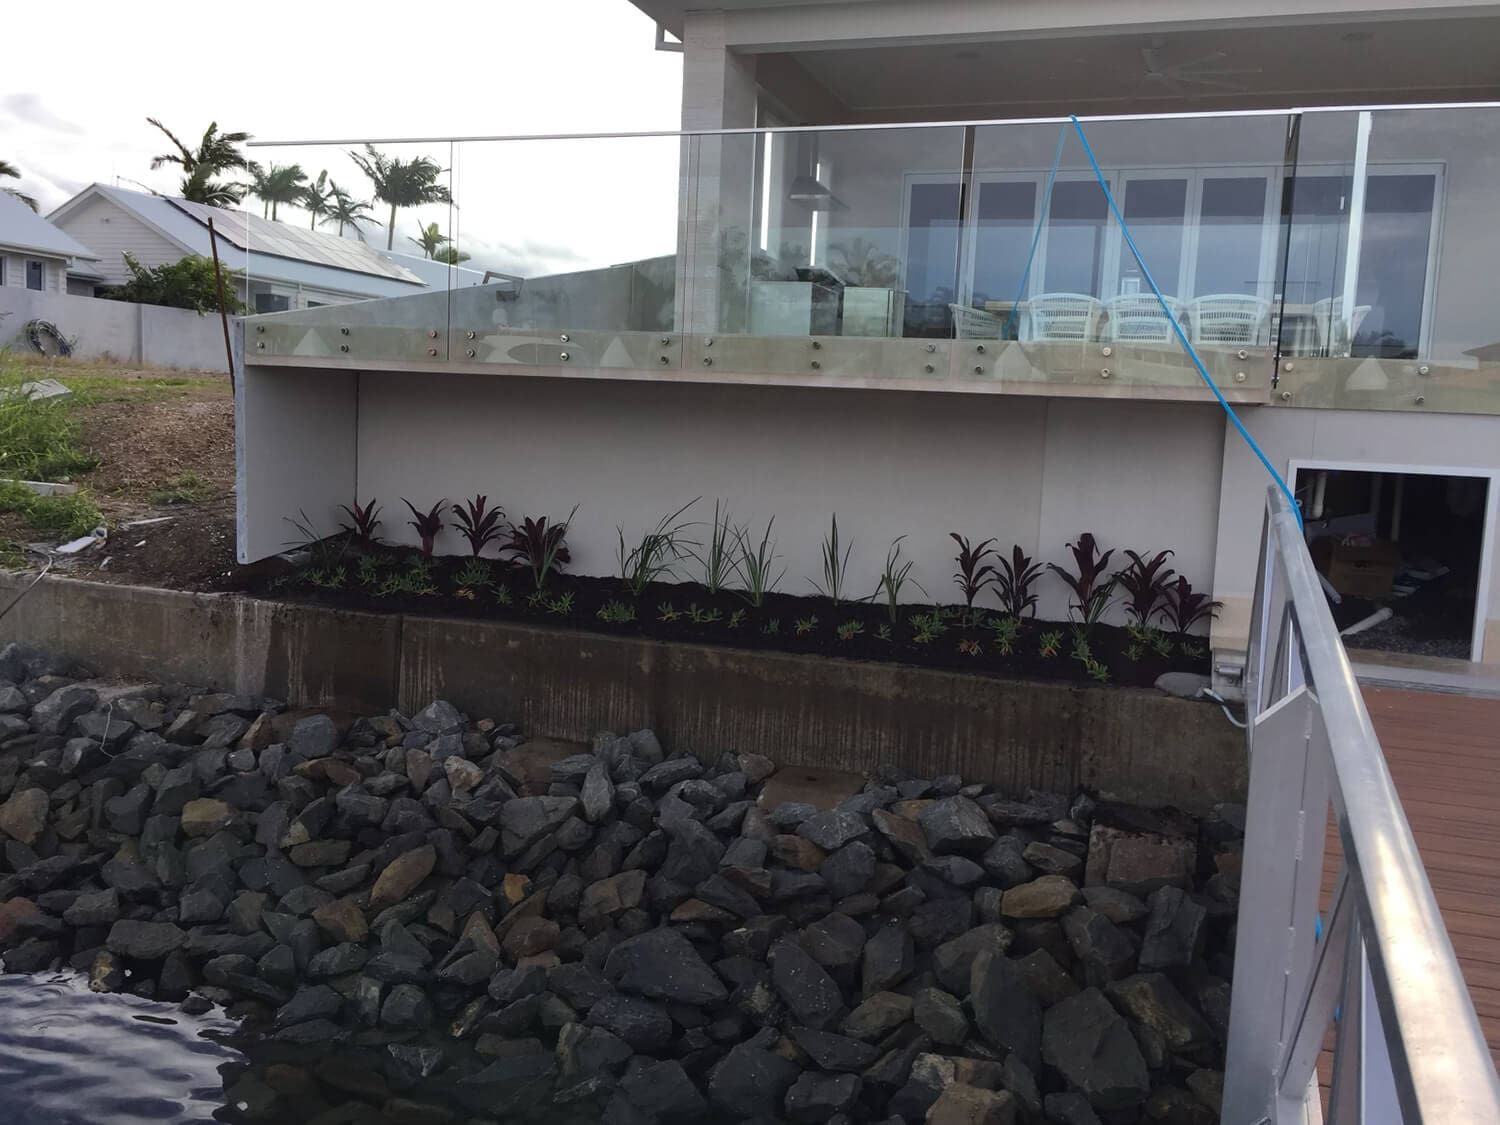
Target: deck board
{"type": "Point", "coordinates": [1444, 755]}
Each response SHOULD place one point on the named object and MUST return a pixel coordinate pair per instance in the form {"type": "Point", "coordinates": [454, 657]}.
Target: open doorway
{"type": "Point", "coordinates": [1401, 555]}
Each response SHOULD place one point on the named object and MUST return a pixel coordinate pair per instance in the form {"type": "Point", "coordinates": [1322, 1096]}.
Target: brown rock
{"type": "Point", "coordinates": [320, 853]}
{"type": "Point", "coordinates": [696, 910]}
{"type": "Point", "coordinates": [530, 936]}
{"type": "Point", "coordinates": [402, 876]}
{"type": "Point", "coordinates": [332, 770]}
{"type": "Point", "coordinates": [259, 734]}
{"type": "Point", "coordinates": [912, 809]}
{"type": "Point", "coordinates": [418, 768]}
{"type": "Point", "coordinates": [15, 913]}
{"type": "Point", "coordinates": [463, 774]}
{"type": "Point", "coordinates": [478, 931]}
{"type": "Point", "coordinates": [796, 853]}
{"type": "Point", "coordinates": [342, 921]}
{"type": "Point", "coordinates": [1047, 897]}
{"type": "Point", "coordinates": [24, 816]}
{"type": "Point", "coordinates": [969, 1105]}
{"type": "Point", "coordinates": [514, 888]}
{"type": "Point", "coordinates": [609, 897]}
{"type": "Point", "coordinates": [204, 816]}
{"type": "Point", "coordinates": [904, 834]}
{"type": "Point", "coordinates": [1139, 861]}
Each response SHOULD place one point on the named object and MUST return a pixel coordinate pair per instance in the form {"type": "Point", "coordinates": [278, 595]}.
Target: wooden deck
{"type": "Point", "coordinates": [1444, 755]}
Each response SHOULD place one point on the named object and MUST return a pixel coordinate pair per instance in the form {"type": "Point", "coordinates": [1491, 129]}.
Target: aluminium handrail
{"type": "Point", "coordinates": [1440, 1065]}
{"type": "Point", "coordinates": [878, 126]}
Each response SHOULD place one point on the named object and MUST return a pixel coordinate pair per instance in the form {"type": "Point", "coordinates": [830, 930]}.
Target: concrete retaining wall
{"type": "Point", "coordinates": [1132, 745]}
{"type": "Point", "coordinates": [121, 330]}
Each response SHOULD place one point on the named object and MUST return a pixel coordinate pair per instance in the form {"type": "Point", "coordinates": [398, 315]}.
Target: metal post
{"type": "Point", "coordinates": [213, 242]}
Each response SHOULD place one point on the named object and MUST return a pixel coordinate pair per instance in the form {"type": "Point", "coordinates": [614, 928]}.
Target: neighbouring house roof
{"type": "Point", "coordinates": [23, 229]}
{"type": "Point", "coordinates": [263, 249]}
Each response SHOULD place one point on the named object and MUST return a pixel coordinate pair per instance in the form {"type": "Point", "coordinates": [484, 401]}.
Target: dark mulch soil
{"type": "Point", "coordinates": [347, 577]}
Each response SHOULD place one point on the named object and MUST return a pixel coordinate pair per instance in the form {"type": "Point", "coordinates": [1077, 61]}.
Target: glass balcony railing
{"type": "Point", "coordinates": [1339, 256]}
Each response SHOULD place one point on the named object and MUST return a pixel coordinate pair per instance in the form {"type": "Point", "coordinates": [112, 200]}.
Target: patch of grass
{"type": "Point", "coordinates": [184, 488]}
{"type": "Point", "coordinates": [12, 557]}
{"type": "Point", "coordinates": [65, 516]}
{"type": "Point", "coordinates": [39, 440]}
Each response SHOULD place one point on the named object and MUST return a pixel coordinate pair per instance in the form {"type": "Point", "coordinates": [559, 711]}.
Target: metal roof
{"type": "Point", "coordinates": [263, 236]}
{"type": "Point", "coordinates": [21, 228]}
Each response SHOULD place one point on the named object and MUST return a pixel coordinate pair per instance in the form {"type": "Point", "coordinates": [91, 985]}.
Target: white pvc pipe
{"type": "Point", "coordinates": [1383, 614]}
{"type": "Point", "coordinates": [1356, 227]}
{"type": "Point", "coordinates": [1320, 486]}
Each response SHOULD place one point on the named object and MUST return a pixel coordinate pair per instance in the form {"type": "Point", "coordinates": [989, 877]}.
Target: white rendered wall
{"type": "Point", "coordinates": [1031, 471]}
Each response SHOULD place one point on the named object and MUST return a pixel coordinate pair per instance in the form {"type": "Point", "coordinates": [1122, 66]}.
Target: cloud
{"type": "Point", "coordinates": [29, 110]}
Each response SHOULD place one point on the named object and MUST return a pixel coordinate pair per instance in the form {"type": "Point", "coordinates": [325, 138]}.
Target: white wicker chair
{"type": "Point", "coordinates": [1229, 318]}
{"type": "Point", "coordinates": [1328, 322]}
{"type": "Point", "coordinates": [975, 324]}
{"type": "Point", "coordinates": [1137, 318]}
{"type": "Point", "coordinates": [1070, 317]}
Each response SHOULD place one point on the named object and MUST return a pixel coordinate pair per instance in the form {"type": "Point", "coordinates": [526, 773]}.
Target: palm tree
{"type": "Point", "coordinates": [217, 152]}
{"type": "Point", "coordinates": [345, 210]}
{"type": "Point", "coordinates": [281, 183]}
{"type": "Point", "coordinates": [10, 170]}
{"type": "Point", "coordinates": [430, 239]}
{"type": "Point", "coordinates": [401, 183]}
{"type": "Point", "coordinates": [317, 197]}
{"type": "Point", "coordinates": [450, 255]}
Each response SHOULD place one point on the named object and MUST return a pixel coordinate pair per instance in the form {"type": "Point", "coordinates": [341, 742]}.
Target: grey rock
{"type": "Point", "coordinates": [1151, 1000]}
{"type": "Point", "coordinates": [1182, 685]}
{"type": "Point", "coordinates": [1088, 1042]}
{"type": "Point", "coordinates": [1174, 931]}
{"type": "Point", "coordinates": [815, 1098]}
{"type": "Point", "coordinates": [1104, 950]}
{"type": "Point", "coordinates": [438, 717]}
{"type": "Point", "coordinates": [848, 870]}
{"type": "Point", "coordinates": [1046, 978]}
{"type": "Point", "coordinates": [55, 713]}
{"type": "Point", "coordinates": [527, 819]}
{"type": "Point", "coordinates": [940, 1016]}
{"type": "Point", "coordinates": [101, 908]}
{"type": "Point", "coordinates": [103, 729]}
{"type": "Point", "coordinates": [1005, 1011]}
{"type": "Point", "coordinates": [832, 830]}
{"type": "Point", "coordinates": [877, 1016]}
{"type": "Point", "coordinates": [1006, 862]}
{"type": "Point", "coordinates": [312, 1002]}
{"type": "Point", "coordinates": [663, 1092]}
{"type": "Point", "coordinates": [956, 824]}
{"type": "Point", "coordinates": [954, 870]}
{"type": "Point", "coordinates": [809, 993]}
{"type": "Point", "coordinates": [221, 731]}
{"type": "Point", "coordinates": [406, 1007]}
{"type": "Point", "coordinates": [1120, 907]}
{"type": "Point", "coordinates": [663, 965]}
{"type": "Point", "coordinates": [744, 852]}
{"type": "Point", "coordinates": [1069, 1109]}
{"type": "Point", "coordinates": [643, 1025]}
{"type": "Point", "coordinates": [337, 961]}
{"type": "Point", "coordinates": [835, 1052]}
{"type": "Point", "coordinates": [144, 941]}
{"type": "Point", "coordinates": [751, 1082]}
{"type": "Point", "coordinates": [598, 794]}
{"type": "Point", "coordinates": [835, 942]}
{"type": "Point", "coordinates": [663, 776]}
{"type": "Point", "coordinates": [315, 736]}
{"type": "Point", "coordinates": [888, 960]}
{"type": "Point", "coordinates": [590, 1050]}
{"type": "Point", "coordinates": [1052, 860]}
{"type": "Point", "coordinates": [953, 961]}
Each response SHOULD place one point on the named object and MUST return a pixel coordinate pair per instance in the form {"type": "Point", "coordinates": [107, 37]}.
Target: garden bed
{"type": "Point", "coordinates": [381, 578]}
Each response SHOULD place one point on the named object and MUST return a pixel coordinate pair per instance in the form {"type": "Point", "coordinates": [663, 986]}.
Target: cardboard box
{"type": "Point", "coordinates": [1366, 570]}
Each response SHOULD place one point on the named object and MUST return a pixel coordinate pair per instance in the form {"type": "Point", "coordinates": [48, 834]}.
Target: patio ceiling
{"type": "Point", "coordinates": [1322, 64]}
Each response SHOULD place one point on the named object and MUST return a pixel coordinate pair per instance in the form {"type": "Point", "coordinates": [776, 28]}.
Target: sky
{"type": "Point", "coordinates": [77, 114]}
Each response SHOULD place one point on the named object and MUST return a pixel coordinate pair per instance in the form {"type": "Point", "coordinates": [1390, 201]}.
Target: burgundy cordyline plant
{"type": "Point", "coordinates": [427, 524]}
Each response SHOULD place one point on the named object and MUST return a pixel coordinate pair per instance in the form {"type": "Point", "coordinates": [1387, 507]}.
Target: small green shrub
{"type": "Point", "coordinates": [616, 613]}
{"type": "Point", "coordinates": [66, 516]}
{"type": "Point", "coordinates": [38, 439]}
{"type": "Point", "coordinates": [184, 488]}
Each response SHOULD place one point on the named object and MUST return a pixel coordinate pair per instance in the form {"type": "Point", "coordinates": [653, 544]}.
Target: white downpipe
{"type": "Point", "coordinates": [1320, 487]}
{"type": "Point", "coordinates": [1396, 506]}
{"type": "Point", "coordinates": [1356, 223]}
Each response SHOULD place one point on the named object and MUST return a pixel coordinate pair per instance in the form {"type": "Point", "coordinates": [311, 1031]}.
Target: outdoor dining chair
{"type": "Point", "coordinates": [1137, 318]}
{"type": "Point", "coordinates": [1334, 336]}
{"type": "Point", "coordinates": [975, 324]}
{"type": "Point", "coordinates": [1070, 317]}
{"type": "Point", "coordinates": [1229, 318]}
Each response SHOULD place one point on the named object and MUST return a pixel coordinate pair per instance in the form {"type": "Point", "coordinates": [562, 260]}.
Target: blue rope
{"type": "Point", "coordinates": [1177, 328]}
{"type": "Point", "coordinates": [1036, 238]}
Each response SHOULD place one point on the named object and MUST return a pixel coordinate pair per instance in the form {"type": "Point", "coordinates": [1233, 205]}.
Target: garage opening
{"type": "Point", "coordinates": [1400, 555]}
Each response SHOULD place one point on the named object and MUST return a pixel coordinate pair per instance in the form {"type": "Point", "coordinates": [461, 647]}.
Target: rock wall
{"type": "Point", "coordinates": [426, 918]}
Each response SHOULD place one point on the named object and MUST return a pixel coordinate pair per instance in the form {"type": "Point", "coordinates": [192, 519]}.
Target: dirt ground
{"type": "Point", "coordinates": [165, 443]}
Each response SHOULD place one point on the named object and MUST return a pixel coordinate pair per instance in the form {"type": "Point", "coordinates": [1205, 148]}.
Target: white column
{"type": "Point", "coordinates": [716, 209]}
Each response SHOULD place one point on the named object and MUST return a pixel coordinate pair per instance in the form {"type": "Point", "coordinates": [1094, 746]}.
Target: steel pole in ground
{"type": "Point", "coordinates": [213, 242]}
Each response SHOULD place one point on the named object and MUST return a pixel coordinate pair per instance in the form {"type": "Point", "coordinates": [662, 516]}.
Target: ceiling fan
{"type": "Point", "coordinates": [1204, 71]}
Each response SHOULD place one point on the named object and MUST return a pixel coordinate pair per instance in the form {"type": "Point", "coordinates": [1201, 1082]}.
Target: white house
{"type": "Point", "coordinates": [37, 255]}
{"type": "Point", "coordinates": [276, 266]}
